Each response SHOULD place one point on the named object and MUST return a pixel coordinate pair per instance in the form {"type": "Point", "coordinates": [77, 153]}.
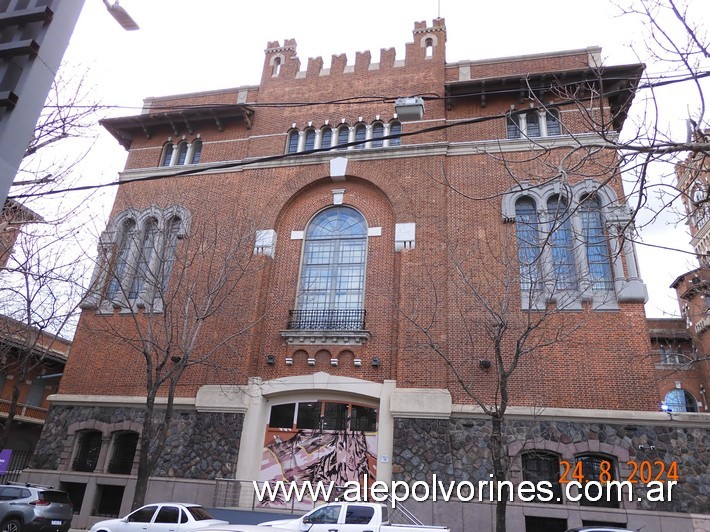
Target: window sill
{"type": "Point", "coordinates": [324, 337]}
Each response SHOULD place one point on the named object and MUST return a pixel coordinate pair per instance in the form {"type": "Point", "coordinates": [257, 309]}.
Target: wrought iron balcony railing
{"type": "Point", "coordinates": [327, 320]}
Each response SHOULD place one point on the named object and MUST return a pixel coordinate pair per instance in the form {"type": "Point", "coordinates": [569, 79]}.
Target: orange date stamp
{"type": "Point", "coordinates": [643, 472]}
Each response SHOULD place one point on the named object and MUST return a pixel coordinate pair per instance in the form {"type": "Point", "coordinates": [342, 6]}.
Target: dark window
{"type": "Point", "coordinates": [597, 244]}
{"type": "Point", "coordinates": [167, 155]}
{"type": "Point", "coordinates": [144, 273]}
{"type": "Point", "coordinates": [292, 146]}
{"type": "Point", "coordinates": [360, 135]}
{"type": "Point", "coordinates": [343, 135]}
{"type": "Point", "coordinates": [552, 120]}
{"type": "Point", "coordinates": [124, 450]}
{"type": "Point", "coordinates": [109, 500]}
{"type": "Point", "coordinates": [76, 491]}
{"type": "Point", "coordinates": [363, 419]}
{"type": "Point", "coordinates": [544, 524]}
{"type": "Point", "coordinates": [35, 393]}
{"type": "Point", "coordinates": [561, 244]}
{"type": "Point", "coordinates": [395, 129]}
{"type": "Point", "coordinates": [378, 131]}
{"type": "Point", "coordinates": [54, 496]}
{"type": "Point", "coordinates": [326, 137]}
{"type": "Point", "coordinates": [592, 469]}
{"type": "Point", "coordinates": [168, 514]}
{"type": "Point", "coordinates": [142, 515]}
{"type": "Point", "coordinates": [120, 266]}
{"type": "Point", "coordinates": [358, 515]}
{"type": "Point", "coordinates": [538, 467]}
{"type": "Point", "coordinates": [532, 128]}
{"type": "Point", "coordinates": [310, 139]}
{"type": "Point", "coordinates": [168, 258]}
{"type": "Point", "coordinates": [527, 231]}
{"type": "Point", "coordinates": [308, 415]}
{"type": "Point", "coordinates": [282, 416]}
{"type": "Point", "coordinates": [196, 152]}
{"type": "Point", "coordinates": [182, 153]}
{"type": "Point", "coordinates": [335, 416]}
{"type": "Point", "coordinates": [87, 451]}
{"type": "Point", "coordinates": [512, 127]}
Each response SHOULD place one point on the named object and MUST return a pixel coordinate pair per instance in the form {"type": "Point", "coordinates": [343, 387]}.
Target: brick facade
{"type": "Point", "coordinates": [449, 175]}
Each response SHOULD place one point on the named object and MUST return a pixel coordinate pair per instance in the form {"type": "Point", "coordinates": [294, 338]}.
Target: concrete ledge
{"type": "Point", "coordinates": [421, 403]}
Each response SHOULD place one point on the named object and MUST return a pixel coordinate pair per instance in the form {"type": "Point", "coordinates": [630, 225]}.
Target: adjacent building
{"type": "Point", "coordinates": [349, 263]}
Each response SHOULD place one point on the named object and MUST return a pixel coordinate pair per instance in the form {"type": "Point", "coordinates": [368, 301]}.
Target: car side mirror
{"type": "Point", "coordinates": [307, 520]}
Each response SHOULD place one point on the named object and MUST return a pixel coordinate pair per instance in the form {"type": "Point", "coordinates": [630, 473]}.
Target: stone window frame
{"type": "Point", "coordinates": [111, 289]}
{"type": "Point", "coordinates": [570, 452]}
{"type": "Point", "coordinates": [518, 124]}
{"type": "Point", "coordinates": [190, 152]}
{"type": "Point", "coordinates": [107, 431]}
{"type": "Point", "coordinates": [616, 221]}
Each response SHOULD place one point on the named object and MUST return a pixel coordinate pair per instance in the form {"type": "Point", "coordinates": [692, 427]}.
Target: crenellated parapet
{"type": "Point", "coordinates": [427, 48]}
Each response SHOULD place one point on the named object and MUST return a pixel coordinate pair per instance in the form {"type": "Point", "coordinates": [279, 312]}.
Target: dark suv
{"type": "Point", "coordinates": [32, 508]}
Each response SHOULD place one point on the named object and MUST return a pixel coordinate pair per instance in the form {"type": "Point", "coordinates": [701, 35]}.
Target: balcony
{"type": "Point", "coordinates": [326, 327]}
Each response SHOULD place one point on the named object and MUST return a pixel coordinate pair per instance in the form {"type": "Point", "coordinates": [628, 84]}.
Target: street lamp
{"type": "Point", "coordinates": [121, 16]}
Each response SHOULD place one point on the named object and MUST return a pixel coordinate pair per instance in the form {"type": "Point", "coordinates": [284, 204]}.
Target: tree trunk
{"type": "Point", "coordinates": [499, 459]}
{"type": "Point", "coordinates": [11, 412]}
{"type": "Point", "coordinates": [144, 462]}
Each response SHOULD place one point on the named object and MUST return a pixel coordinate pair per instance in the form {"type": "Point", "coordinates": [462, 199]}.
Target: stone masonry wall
{"type": "Point", "coordinates": [198, 446]}
{"type": "Point", "coordinates": [457, 450]}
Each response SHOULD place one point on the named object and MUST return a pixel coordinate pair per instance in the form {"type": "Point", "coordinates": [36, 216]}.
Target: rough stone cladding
{"type": "Point", "coordinates": [455, 201]}
{"type": "Point", "coordinates": [199, 445]}
{"type": "Point", "coordinates": [416, 441]}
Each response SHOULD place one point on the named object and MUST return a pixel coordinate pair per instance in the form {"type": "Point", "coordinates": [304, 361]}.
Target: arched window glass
{"type": "Point", "coordinates": [143, 273]}
{"type": "Point", "coordinates": [277, 67]}
{"type": "Point", "coordinates": [592, 467]}
{"type": "Point", "coordinates": [120, 265]}
{"type": "Point", "coordinates": [292, 143]}
{"type": "Point", "coordinates": [512, 127]}
{"type": "Point", "coordinates": [678, 400]}
{"type": "Point", "coordinates": [182, 153]}
{"type": "Point", "coordinates": [596, 243]}
{"type": "Point", "coordinates": [527, 231]}
{"type": "Point", "coordinates": [196, 152]}
{"type": "Point", "coordinates": [310, 139]}
{"type": "Point", "coordinates": [532, 120]}
{"type": "Point", "coordinates": [343, 135]}
{"type": "Point", "coordinates": [169, 250]}
{"type": "Point", "coordinates": [395, 129]}
{"type": "Point", "coordinates": [429, 43]}
{"type": "Point", "coordinates": [86, 454]}
{"type": "Point", "coordinates": [360, 135]}
{"type": "Point", "coordinates": [541, 466]}
{"type": "Point", "coordinates": [124, 451]}
{"type": "Point", "coordinates": [333, 269]}
{"type": "Point", "coordinates": [326, 137]}
{"type": "Point", "coordinates": [552, 121]}
{"type": "Point", "coordinates": [378, 131]}
{"type": "Point", "coordinates": [167, 154]}
{"type": "Point", "coordinates": [561, 244]}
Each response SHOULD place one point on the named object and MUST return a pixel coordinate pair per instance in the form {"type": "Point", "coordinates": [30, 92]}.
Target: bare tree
{"type": "Point", "coordinates": [171, 280]}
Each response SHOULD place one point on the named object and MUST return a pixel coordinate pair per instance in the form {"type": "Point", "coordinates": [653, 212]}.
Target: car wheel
{"type": "Point", "coordinates": [12, 525]}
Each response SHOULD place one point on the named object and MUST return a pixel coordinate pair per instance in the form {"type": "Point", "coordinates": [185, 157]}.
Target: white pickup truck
{"type": "Point", "coordinates": [348, 517]}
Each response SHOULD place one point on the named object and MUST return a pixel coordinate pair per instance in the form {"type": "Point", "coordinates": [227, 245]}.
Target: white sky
{"type": "Point", "coordinates": [186, 46]}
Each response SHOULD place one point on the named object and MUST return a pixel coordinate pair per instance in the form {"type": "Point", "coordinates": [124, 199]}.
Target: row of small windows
{"type": "Point", "coordinates": [327, 137]}
{"type": "Point", "coordinates": [184, 153]}
{"type": "Point", "coordinates": [555, 231]}
{"type": "Point", "coordinates": [534, 124]}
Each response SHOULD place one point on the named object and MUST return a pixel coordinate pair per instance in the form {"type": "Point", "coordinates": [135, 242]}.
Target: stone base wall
{"type": "Point", "coordinates": [199, 445]}
{"type": "Point", "coordinates": [456, 449]}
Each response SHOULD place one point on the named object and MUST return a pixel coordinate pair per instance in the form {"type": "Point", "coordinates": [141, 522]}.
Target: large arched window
{"type": "Point", "coordinates": [527, 230]}
{"type": "Point", "coordinates": [196, 152]}
{"type": "Point", "coordinates": [333, 270]}
{"type": "Point", "coordinates": [541, 466]}
{"type": "Point", "coordinates": [343, 135]}
{"type": "Point", "coordinates": [182, 153]}
{"type": "Point", "coordinates": [395, 129]}
{"type": "Point", "coordinates": [119, 270]}
{"type": "Point", "coordinates": [144, 273]}
{"type": "Point", "coordinates": [360, 135]}
{"type": "Point", "coordinates": [595, 468]}
{"type": "Point", "coordinates": [597, 247]}
{"type": "Point", "coordinates": [561, 244]}
{"type": "Point", "coordinates": [310, 139]}
{"type": "Point", "coordinates": [326, 137]}
{"type": "Point", "coordinates": [292, 143]}
{"type": "Point", "coordinates": [378, 131]}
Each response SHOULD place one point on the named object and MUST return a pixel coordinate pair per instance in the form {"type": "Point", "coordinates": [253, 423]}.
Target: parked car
{"type": "Point", "coordinates": [34, 508]}
{"type": "Point", "coordinates": [345, 516]}
{"type": "Point", "coordinates": [161, 517]}
{"type": "Point", "coordinates": [599, 529]}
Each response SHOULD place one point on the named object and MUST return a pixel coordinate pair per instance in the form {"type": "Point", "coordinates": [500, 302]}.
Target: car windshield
{"type": "Point", "coordinates": [54, 496]}
{"type": "Point", "coordinates": [199, 513]}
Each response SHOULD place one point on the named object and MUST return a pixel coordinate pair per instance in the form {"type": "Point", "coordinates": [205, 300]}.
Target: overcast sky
{"type": "Point", "coordinates": [186, 46]}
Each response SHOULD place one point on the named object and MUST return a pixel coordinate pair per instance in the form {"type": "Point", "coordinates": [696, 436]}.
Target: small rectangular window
{"type": "Point", "coordinates": [308, 415]}
{"type": "Point", "coordinates": [282, 416]}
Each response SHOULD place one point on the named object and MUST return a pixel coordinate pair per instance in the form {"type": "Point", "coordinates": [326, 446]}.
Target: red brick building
{"type": "Point", "coordinates": [383, 267]}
